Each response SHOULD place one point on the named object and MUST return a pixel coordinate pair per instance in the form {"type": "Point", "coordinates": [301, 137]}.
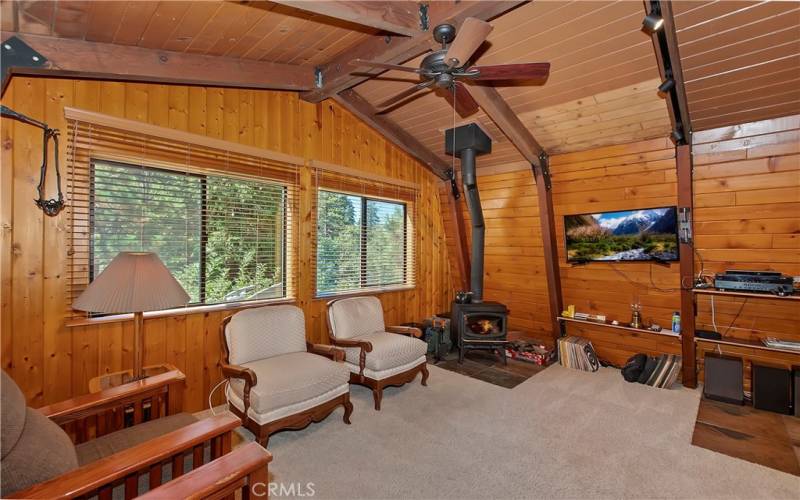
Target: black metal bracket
{"type": "Point", "coordinates": [318, 77]}
{"type": "Point", "coordinates": [424, 21]}
{"type": "Point", "coordinates": [544, 165]}
{"type": "Point", "coordinates": [51, 206]}
{"type": "Point", "coordinates": [18, 54]}
{"type": "Point", "coordinates": [451, 175]}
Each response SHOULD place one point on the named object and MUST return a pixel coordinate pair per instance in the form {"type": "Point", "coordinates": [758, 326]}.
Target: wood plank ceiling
{"type": "Point", "coordinates": [601, 90]}
{"type": "Point", "coordinates": [741, 60]}
{"type": "Point", "coordinates": [268, 32]}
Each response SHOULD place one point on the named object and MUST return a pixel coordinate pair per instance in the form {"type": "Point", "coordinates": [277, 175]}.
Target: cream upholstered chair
{"type": "Point", "coordinates": [278, 380]}
{"type": "Point", "coordinates": [377, 356]}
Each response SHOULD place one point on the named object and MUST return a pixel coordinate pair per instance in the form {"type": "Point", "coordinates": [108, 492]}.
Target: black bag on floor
{"type": "Point", "coordinates": [634, 367]}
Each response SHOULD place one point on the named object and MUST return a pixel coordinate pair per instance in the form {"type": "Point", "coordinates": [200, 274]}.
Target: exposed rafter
{"type": "Point", "coordinates": [401, 17]}
{"type": "Point", "coordinates": [665, 46]}
{"type": "Point", "coordinates": [337, 75]}
{"type": "Point", "coordinates": [359, 106]}
{"type": "Point", "coordinates": [80, 59]}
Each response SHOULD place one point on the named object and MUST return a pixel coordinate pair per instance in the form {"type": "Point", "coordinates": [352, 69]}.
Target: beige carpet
{"type": "Point", "coordinates": [561, 434]}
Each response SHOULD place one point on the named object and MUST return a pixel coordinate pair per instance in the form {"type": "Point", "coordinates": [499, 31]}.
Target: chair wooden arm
{"type": "Point", "coordinates": [326, 350]}
{"type": "Point", "coordinates": [101, 476]}
{"type": "Point", "coordinates": [246, 374]}
{"type": "Point", "coordinates": [411, 331]}
{"type": "Point", "coordinates": [364, 347]}
{"type": "Point", "coordinates": [244, 467]}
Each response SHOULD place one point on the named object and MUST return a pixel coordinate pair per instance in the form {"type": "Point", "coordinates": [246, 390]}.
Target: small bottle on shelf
{"type": "Point", "coordinates": [676, 322]}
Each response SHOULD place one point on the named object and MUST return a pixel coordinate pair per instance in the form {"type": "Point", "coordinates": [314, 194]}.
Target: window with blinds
{"type": "Point", "coordinates": [220, 215]}
{"type": "Point", "coordinates": [364, 237]}
{"type": "Point", "coordinates": [222, 238]}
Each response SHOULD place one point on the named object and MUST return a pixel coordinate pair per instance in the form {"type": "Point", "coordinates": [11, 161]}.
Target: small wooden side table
{"type": "Point", "coordinates": [109, 380]}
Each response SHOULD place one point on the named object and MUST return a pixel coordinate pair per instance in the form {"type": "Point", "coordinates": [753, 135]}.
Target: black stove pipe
{"type": "Point", "coordinates": [473, 199]}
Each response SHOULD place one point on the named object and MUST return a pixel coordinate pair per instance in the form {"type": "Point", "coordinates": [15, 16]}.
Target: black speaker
{"type": "Point", "coordinates": [772, 388]}
{"type": "Point", "coordinates": [724, 378]}
{"type": "Point", "coordinates": [796, 400]}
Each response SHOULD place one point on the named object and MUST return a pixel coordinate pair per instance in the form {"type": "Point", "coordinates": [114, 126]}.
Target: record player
{"type": "Point", "coordinates": [754, 281]}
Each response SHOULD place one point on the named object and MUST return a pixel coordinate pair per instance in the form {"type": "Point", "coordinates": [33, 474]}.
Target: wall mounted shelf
{"type": "Point", "coordinates": [664, 333]}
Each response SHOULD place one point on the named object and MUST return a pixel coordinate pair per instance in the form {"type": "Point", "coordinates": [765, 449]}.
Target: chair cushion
{"type": "Point", "coordinates": [12, 418]}
{"type": "Point", "coordinates": [42, 452]}
{"type": "Point", "coordinates": [291, 378]}
{"type": "Point", "coordinates": [121, 440]}
{"type": "Point", "coordinates": [355, 317]}
{"type": "Point", "coordinates": [389, 350]}
{"type": "Point", "coordinates": [263, 332]}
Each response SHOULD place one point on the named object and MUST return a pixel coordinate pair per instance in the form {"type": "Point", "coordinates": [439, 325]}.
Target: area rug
{"type": "Point", "coordinates": [561, 434]}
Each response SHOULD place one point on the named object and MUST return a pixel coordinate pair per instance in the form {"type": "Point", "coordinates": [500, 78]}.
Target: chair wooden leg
{"type": "Point", "coordinates": [348, 409]}
{"type": "Point", "coordinates": [425, 374]}
{"type": "Point", "coordinates": [263, 441]}
{"type": "Point", "coordinates": [377, 395]}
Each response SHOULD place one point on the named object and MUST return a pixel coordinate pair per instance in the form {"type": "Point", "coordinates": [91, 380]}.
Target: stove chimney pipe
{"type": "Point", "coordinates": [466, 142]}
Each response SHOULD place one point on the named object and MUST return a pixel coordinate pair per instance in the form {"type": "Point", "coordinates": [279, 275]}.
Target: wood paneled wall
{"type": "Point", "coordinates": [51, 361]}
{"type": "Point", "coordinates": [624, 177]}
{"type": "Point", "coordinates": [747, 216]}
{"type": "Point", "coordinates": [514, 271]}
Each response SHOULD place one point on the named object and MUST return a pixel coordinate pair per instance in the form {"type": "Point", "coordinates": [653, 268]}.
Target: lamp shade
{"type": "Point", "coordinates": [132, 282]}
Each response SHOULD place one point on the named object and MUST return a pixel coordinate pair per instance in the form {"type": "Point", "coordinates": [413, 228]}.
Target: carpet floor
{"type": "Point", "coordinates": [561, 434]}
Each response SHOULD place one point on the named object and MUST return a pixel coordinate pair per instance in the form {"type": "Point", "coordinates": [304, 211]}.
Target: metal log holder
{"type": "Point", "coordinates": [50, 206]}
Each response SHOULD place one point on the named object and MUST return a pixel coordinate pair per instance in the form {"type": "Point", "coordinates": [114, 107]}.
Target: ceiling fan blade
{"type": "Point", "coordinates": [464, 103]}
{"type": "Point", "coordinates": [471, 35]}
{"type": "Point", "coordinates": [406, 93]}
{"type": "Point", "coordinates": [362, 62]}
{"type": "Point", "coordinates": [529, 71]}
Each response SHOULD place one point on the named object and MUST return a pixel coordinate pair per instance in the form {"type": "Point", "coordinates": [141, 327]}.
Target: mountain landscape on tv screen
{"type": "Point", "coordinates": [630, 235]}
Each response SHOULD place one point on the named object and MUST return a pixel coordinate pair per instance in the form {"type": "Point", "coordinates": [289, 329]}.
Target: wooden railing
{"type": "Point", "coordinates": [93, 415]}
{"type": "Point", "coordinates": [243, 470]}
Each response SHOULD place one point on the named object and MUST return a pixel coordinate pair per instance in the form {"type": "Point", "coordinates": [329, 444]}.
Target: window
{"type": "Point", "coordinates": [361, 243]}
{"type": "Point", "coordinates": [223, 238]}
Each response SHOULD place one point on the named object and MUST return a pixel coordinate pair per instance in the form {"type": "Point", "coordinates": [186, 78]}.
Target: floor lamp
{"type": "Point", "coordinates": [133, 282]}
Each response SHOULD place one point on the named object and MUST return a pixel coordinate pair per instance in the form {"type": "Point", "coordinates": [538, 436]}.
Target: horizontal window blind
{"type": "Point", "coordinates": [365, 237]}
{"type": "Point", "coordinates": [222, 221]}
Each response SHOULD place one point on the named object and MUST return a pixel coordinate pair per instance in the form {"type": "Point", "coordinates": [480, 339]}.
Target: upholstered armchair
{"type": "Point", "coordinates": [118, 442]}
{"type": "Point", "coordinates": [278, 380]}
{"type": "Point", "coordinates": [377, 356]}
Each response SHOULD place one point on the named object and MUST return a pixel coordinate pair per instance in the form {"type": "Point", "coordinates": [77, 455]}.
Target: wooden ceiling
{"type": "Point", "coordinates": [266, 32]}
{"type": "Point", "coordinates": [601, 90]}
{"type": "Point", "coordinates": [741, 60]}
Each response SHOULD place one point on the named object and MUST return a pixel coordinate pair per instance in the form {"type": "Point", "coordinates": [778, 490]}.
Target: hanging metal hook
{"type": "Point", "coordinates": [50, 206]}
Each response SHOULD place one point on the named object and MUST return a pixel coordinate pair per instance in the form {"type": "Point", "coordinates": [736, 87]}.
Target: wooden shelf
{"type": "Point", "coordinates": [750, 344]}
{"type": "Point", "coordinates": [664, 333]}
{"type": "Point", "coordinates": [713, 291]}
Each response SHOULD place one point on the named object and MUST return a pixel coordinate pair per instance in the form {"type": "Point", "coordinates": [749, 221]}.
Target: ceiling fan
{"type": "Point", "coordinates": [447, 67]}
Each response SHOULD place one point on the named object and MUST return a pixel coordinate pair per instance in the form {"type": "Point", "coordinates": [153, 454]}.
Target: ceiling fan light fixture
{"type": "Point", "coordinates": [666, 86]}
{"type": "Point", "coordinates": [652, 22]}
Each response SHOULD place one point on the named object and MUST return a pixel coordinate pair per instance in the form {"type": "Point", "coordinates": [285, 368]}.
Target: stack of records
{"type": "Point", "coordinates": [577, 353]}
{"type": "Point", "coordinates": [666, 371]}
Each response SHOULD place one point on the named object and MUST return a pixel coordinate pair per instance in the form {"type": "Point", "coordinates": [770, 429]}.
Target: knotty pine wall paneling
{"type": "Point", "coordinates": [52, 361]}
{"type": "Point", "coordinates": [623, 177]}
{"type": "Point", "coordinates": [747, 216]}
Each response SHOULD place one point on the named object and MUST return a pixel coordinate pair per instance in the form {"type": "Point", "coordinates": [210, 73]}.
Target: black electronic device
{"type": "Point", "coordinates": [707, 334]}
{"type": "Point", "coordinates": [724, 378]}
{"type": "Point", "coordinates": [754, 281]}
{"type": "Point", "coordinates": [772, 388]}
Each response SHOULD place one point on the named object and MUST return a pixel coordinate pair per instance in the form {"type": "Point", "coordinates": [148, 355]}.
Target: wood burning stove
{"type": "Point", "coordinates": [475, 324]}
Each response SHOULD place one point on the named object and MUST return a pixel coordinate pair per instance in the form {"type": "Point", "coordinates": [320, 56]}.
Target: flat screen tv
{"type": "Point", "coordinates": [649, 234]}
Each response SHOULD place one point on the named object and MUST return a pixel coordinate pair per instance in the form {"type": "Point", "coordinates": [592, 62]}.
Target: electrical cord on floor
{"type": "Point", "coordinates": [211, 395]}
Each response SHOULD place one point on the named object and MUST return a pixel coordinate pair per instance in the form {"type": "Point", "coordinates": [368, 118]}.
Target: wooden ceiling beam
{"type": "Point", "coordinates": [363, 110]}
{"type": "Point", "coordinates": [493, 104]}
{"type": "Point", "coordinates": [338, 75]}
{"type": "Point", "coordinates": [81, 59]}
{"type": "Point", "coordinates": [401, 17]}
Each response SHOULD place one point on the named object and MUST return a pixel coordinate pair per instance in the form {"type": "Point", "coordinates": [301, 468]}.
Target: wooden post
{"type": "Point", "coordinates": [683, 159]}
{"type": "Point", "coordinates": [138, 343]}
{"type": "Point", "coordinates": [541, 173]}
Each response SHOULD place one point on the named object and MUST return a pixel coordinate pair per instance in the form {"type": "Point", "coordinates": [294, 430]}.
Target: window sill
{"type": "Point", "coordinates": [182, 311]}
{"type": "Point", "coordinates": [364, 292]}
